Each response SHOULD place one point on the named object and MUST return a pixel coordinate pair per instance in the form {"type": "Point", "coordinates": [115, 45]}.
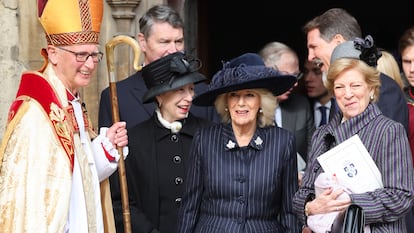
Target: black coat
{"type": "Point", "coordinates": [154, 173]}
{"type": "Point", "coordinates": [392, 101]}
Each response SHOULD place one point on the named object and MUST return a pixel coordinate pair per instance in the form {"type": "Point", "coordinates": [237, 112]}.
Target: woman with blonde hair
{"type": "Point", "coordinates": [243, 172]}
{"type": "Point", "coordinates": [389, 66]}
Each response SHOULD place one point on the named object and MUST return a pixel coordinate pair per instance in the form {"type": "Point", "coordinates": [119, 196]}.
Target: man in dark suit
{"type": "Point", "coordinates": [293, 111]}
{"type": "Point", "coordinates": [317, 93]}
{"type": "Point", "coordinates": [335, 26]}
{"type": "Point", "coordinates": [161, 33]}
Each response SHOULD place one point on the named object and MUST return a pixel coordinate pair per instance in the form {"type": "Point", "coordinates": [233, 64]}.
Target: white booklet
{"type": "Point", "coordinates": [353, 166]}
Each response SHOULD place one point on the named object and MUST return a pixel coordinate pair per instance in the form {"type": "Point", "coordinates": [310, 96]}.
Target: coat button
{"type": "Point", "coordinates": [240, 220]}
{"type": "Point", "coordinates": [178, 180]}
{"type": "Point", "coordinates": [177, 159]}
{"type": "Point", "coordinates": [174, 138]}
{"type": "Point", "coordinates": [178, 201]}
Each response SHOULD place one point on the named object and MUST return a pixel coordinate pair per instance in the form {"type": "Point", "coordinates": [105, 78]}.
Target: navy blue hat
{"type": "Point", "coordinates": [247, 71]}
{"type": "Point", "coordinates": [170, 73]}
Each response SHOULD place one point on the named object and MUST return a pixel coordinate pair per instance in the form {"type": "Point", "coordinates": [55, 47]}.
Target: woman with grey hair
{"type": "Point", "coordinates": [243, 172]}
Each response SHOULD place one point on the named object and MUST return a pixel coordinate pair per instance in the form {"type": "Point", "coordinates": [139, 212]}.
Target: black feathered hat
{"type": "Point", "coordinates": [170, 73]}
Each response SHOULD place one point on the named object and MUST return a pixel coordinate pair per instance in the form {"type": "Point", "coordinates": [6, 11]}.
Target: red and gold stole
{"type": "Point", "coordinates": [45, 95]}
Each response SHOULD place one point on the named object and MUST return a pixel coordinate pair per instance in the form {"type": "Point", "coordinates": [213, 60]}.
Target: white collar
{"type": "Point", "coordinates": [175, 126]}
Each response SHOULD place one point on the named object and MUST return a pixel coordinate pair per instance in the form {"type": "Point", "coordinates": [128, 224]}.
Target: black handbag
{"type": "Point", "coordinates": [350, 221]}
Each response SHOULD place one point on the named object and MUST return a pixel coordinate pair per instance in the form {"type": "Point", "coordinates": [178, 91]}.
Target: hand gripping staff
{"type": "Point", "coordinates": [115, 114]}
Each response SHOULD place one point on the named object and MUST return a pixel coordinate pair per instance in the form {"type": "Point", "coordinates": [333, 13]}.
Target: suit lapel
{"type": "Point", "coordinates": [138, 92]}
{"type": "Point", "coordinates": [288, 119]}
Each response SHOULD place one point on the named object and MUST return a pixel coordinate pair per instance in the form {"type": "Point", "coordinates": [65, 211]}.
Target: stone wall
{"type": "Point", "coordinates": [11, 66]}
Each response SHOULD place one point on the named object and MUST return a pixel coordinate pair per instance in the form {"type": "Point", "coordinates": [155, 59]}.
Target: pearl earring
{"type": "Point", "coordinates": [260, 110]}
{"type": "Point", "coordinates": [226, 109]}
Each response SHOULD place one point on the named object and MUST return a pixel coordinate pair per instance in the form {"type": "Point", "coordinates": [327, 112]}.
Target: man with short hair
{"type": "Point", "coordinates": [161, 33]}
{"type": "Point", "coordinates": [317, 93]}
{"type": "Point", "coordinates": [336, 26]}
{"type": "Point", "coordinates": [293, 111]}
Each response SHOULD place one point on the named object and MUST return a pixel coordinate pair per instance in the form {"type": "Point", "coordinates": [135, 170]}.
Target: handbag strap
{"type": "Point", "coordinates": [354, 220]}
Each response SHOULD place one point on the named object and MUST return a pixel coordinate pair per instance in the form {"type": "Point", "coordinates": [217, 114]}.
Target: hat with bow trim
{"type": "Point", "coordinates": [247, 71]}
{"type": "Point", "coordinates": [70, 22]}
{"type": "Point", "coordinates": [170, 73]}
{"type": "Point", "coordinates": [361, 49]}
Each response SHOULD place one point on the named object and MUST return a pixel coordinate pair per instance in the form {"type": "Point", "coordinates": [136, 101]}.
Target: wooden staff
{"type": "Point", "coordinates": [115, 115]}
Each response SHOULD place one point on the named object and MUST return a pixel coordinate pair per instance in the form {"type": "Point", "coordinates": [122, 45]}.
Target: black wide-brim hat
{"type": "Point", "coordinates": [169, 73]}
{"type": "Point", "coordinates": [247, 71]}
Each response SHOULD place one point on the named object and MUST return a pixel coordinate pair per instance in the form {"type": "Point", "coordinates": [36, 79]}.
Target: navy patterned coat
{"type": "Point", "coordinates": [232, 189]}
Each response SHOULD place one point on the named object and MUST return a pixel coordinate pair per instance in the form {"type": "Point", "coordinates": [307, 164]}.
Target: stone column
{"type": "Point", "coordinates": [123, 12]}
{"type": "Point", "coordinates": [11, 65]}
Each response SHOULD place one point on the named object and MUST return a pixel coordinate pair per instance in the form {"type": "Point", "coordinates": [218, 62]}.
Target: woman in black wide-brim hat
{"type": "Point", "coordinates": [242, 173]}
{"type": "Point", "coordinates": [156, 164]}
